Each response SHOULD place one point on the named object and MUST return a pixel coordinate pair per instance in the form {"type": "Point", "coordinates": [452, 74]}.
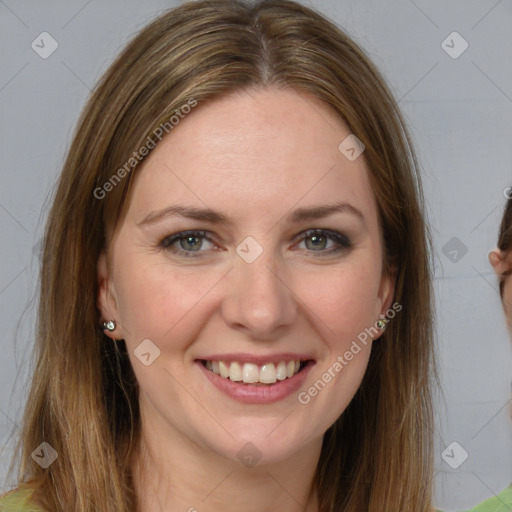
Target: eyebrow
{"type": "Point", "coordinates": [214, 217]}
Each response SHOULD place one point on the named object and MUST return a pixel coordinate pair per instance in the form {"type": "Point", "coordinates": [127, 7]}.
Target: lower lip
{"type": "Point", "coordinates": [251, 394]}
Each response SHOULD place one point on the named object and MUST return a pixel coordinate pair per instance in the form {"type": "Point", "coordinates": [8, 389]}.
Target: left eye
{"type": "Point", "coordinates": [189, 241]}
{"type": "Point", "coordinates": [319, 240]}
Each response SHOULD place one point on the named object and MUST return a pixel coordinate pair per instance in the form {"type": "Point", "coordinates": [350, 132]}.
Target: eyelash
{"type": "Point", "coordinates": [342, 241]}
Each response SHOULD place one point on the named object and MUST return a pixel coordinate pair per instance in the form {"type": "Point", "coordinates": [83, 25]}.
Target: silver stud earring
{"type": "Point", "coordinates": [109, 326]}
{"type": "Point", "coordinates": [381, 325]}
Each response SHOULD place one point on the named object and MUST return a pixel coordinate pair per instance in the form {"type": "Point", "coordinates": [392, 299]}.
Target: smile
{"type": "Point", "coordinates": [250, 373]}
{"type": "Point", "coordinates": [256, 380]}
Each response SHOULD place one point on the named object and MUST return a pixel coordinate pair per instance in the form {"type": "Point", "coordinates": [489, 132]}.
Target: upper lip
{"type": "Point", "coordinates": [257, 359]}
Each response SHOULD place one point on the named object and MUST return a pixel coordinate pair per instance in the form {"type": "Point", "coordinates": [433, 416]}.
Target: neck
{"type": "Point", "coordinates": [172, 473]}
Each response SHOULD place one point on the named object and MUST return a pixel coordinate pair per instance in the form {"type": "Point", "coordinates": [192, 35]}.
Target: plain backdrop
{"type": "Point", "coordinates": [458, 104]}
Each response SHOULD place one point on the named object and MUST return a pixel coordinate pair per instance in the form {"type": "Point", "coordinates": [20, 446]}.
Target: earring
{"type": "Point", "coordinates": [109, 326]}
{"type": "Point", "coordinates": [381, 325]}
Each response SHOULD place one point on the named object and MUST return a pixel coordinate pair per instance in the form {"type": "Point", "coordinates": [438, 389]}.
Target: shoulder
{"type": "Point", "coordinates": [499, 503]}
{"type": "Point", "coordinates": [18, 500]}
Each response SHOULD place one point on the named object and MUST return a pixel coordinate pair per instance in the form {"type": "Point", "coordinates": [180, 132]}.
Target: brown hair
{"type": "Point", "coordinates": [83, 399]}
{"type": "Point", "coordinates": [505, 235]}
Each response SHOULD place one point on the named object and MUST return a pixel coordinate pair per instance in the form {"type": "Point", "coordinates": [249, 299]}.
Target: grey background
{"type": "Point", "coordinates": [460, 115]}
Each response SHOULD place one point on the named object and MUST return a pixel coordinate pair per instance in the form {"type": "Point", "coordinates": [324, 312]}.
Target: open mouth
{"type": "Point", "coordinates": [258, 375]}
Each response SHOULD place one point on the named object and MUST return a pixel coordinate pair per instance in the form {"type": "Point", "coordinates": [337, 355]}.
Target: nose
{"type": "Point", "coordinates": [259, 301]}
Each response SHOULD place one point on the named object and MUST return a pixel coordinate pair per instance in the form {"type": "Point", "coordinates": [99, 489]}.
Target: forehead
{"type": "Point", "coordinates": [259, 151]}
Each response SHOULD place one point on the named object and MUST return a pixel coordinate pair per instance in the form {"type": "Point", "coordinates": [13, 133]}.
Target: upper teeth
{"type": "Point", "coordinates": [251, 373]}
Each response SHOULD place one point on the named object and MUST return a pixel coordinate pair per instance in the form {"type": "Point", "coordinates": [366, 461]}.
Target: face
{"type": "Point", "coordinates": [502, 264]}
{"type": "Point", "coordinates": [224, 255]}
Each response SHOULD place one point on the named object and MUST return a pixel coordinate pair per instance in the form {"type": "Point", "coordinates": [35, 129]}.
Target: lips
{"type": "Point", "coordinates": [256, 379]}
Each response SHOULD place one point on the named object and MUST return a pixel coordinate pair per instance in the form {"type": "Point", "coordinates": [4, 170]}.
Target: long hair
{"type": "Point", "coordinates": [505, 234]}
{"type": "Point", "coordinates": [83, 399]}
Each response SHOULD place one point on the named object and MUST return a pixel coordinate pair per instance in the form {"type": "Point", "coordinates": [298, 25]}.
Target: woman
{"type": "Point", "coordinates": [501, 260]}
{"type": "Point", "coordinates": [236, 304]}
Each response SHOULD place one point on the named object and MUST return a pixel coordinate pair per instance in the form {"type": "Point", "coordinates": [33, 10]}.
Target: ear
{"type": "Point", "coordinates": [386, 293]}
{"type": "Point", "coordinates": [498, 261]}
{"type": "Point", "coordinates": [387, 288]}
{"type": "Point", "coordinates": [106, 301]}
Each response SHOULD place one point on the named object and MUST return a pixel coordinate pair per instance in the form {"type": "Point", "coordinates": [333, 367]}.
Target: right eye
{"type": "Point", "coordinates": [189, 242]}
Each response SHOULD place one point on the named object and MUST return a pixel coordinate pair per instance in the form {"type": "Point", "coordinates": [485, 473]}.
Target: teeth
{"type": "Point", "coordinates": [268, 373]}
{"type": "Point", "coordinates": [250, 373]}
{"type": "Point", "coordinates": [281, 371]}
{"type": "Point", "coordinates": [224, 370]}
{"type": "Point", "coordinates": [235, 372]}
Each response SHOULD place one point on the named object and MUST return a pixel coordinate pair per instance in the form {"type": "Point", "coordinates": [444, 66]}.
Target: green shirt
{"type": "Point", "coordinates": [17, 501]}
{"type": "Point", "coordinates": [500, 503]}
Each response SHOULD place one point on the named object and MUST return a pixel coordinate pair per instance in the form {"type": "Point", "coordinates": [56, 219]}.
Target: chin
{"type": "Point", "coordinates": [262, 441]}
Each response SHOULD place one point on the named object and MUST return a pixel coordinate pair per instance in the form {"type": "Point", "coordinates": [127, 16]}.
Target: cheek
{"type": "Point", "coordinates": [157, 301]}
{"type": "Point", "coordinates": [344, 299]}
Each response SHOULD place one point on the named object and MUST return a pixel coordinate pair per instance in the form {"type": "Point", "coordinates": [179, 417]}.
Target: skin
{"type": "Point", "coordinates": [502, 264]}
{"type": "Point", "coordinates": [254, 156]}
